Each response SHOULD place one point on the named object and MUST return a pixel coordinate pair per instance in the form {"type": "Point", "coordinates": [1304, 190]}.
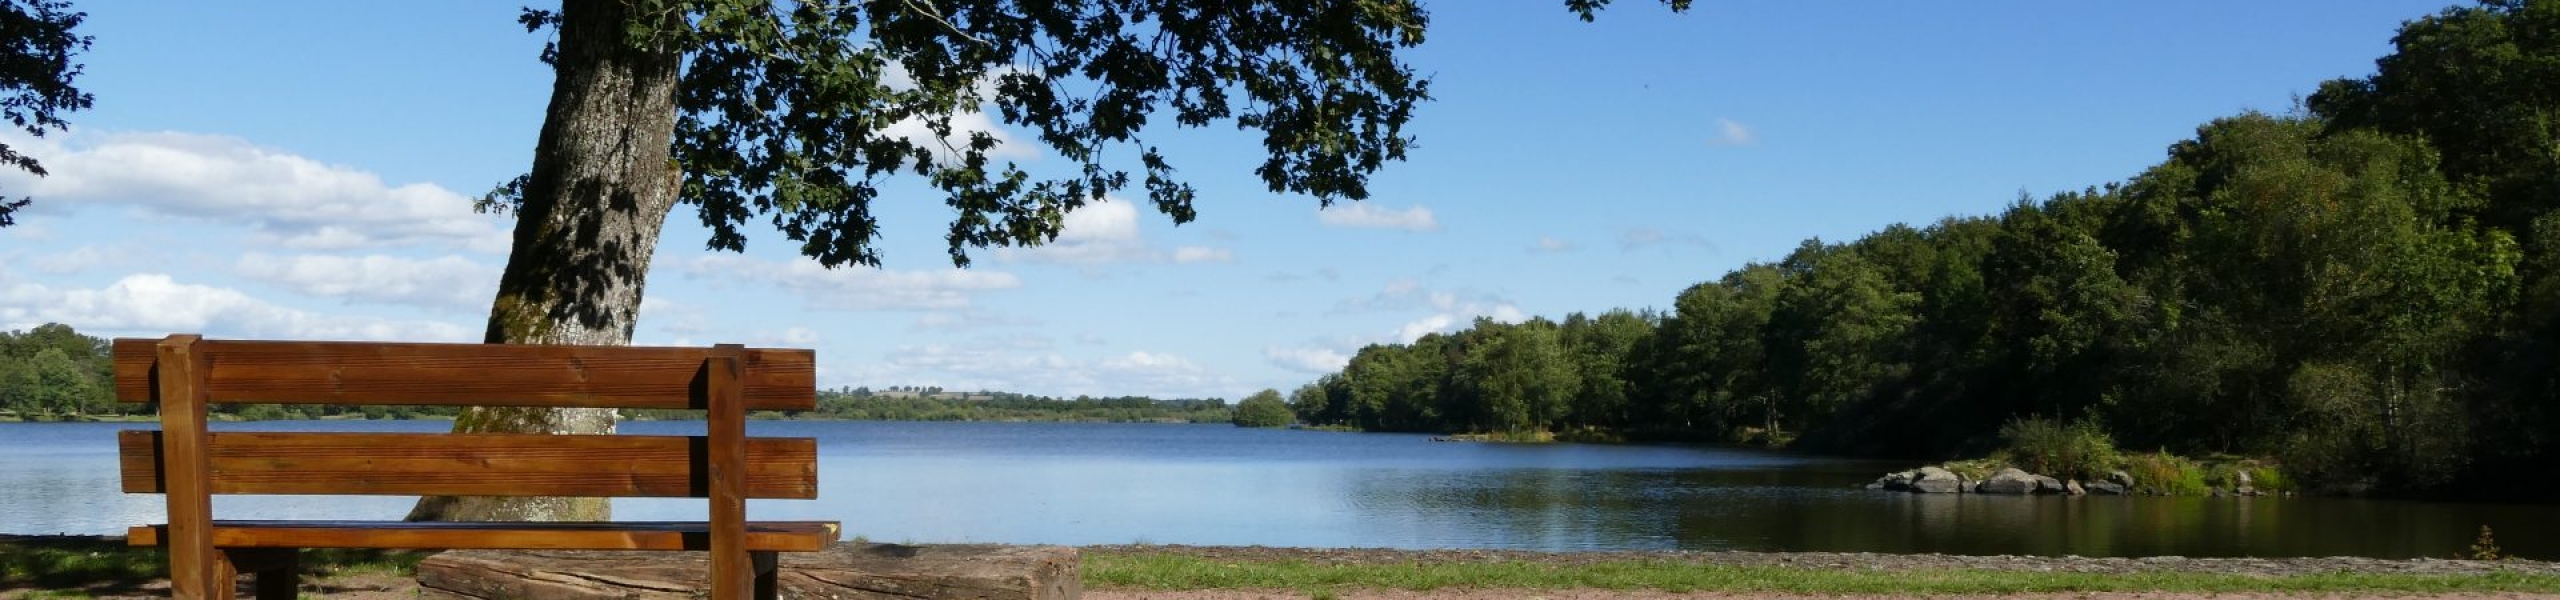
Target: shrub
{"type": "Point", "coordinates": [1263, 409]}
{"type": "Point", "coordinates": [2171, 474]}
{"type": "Point", "coordinates": [2079, 449]}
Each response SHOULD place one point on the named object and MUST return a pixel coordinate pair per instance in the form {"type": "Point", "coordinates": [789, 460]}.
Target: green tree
{"type": "Point", "coordinates": [1519, 375]}
{"type": "Point", "coordinates": [54, 384]}
{"type": "Point", "coordinates": [781, 111]}
{"type": "Point", "coordinates": [1839, 331]}
{"type": "Point", "coordinates": [1263, 409]}
{"type": "Point", "coordinates": [36, 73]}
{"type": "Point", "coordinates": [1602, 350]}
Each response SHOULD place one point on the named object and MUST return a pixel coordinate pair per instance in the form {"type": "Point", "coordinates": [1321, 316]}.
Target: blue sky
{"type": "Point", "coordinates": [302, 171]}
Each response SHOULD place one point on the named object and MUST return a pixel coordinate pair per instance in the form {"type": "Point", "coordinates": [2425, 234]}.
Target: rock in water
{"type": "Point", "coordinates": [2072, 487]}
{"type": "Point", "coordinates": [2048, 485]}
{"type": "Point", "coordinates": [1933, 480]}
{"type": "Point", "coordinates": [852, 571]}
{"type": "Point", "coordinates": [2120, 478]}
{"type": "Point", "coordinates": [2104, 488]}
{"type": "Point", "coordinates": [2009, 481]}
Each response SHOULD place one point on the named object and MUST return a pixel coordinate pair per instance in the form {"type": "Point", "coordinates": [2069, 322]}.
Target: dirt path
{"type": "Point", "coordinates": [1517, 594]}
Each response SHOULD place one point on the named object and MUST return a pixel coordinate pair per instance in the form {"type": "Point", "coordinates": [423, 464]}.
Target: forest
{"type": "Point", "coordinates": [2365, 289]}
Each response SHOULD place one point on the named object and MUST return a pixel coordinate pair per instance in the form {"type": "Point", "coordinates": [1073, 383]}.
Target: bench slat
{"type": "Point", "coordinates": [370, 373]}
{"type": "Point", "coordinates": [762, 536]}
{"type": "Point", "coordinates": [420, 464]}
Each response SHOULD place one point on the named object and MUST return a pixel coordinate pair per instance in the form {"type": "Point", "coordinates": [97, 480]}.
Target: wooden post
{"type": "Point", "coordinates": [732, 570]}
{"type": "Point", "coordinates": [196, 571]}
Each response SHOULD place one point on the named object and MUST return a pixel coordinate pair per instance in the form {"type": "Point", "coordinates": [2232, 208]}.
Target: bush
{"type": "Point", "coordinates": [2171, 474]}
{"type": "Point", "coordinates": [1263, 409]}
{"type": "Point", "coordinates": [2045, 447]}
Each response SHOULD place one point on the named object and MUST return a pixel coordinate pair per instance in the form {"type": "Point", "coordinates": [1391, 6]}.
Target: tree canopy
{"type": "Point", "coordinates": [37, 47]}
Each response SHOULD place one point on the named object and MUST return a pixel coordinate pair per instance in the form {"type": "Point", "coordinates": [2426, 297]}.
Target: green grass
{"type": "Point", "coordinates": [80, 567]}
{"type": "Point", "coordinates": [1159, 571]}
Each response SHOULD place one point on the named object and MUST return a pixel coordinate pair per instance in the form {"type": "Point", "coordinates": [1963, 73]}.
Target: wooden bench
{"type": "Point", "coordinates": [185, 373]}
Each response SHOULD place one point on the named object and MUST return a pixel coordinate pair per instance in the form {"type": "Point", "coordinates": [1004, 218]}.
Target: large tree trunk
{"type": "Point", "coordinates": [600, 189]}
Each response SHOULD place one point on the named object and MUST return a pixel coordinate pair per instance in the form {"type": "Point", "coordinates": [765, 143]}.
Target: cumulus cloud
{"type": "Point", "coordinates": [450, 283]}
{"type": "Point", "coordinates": [284, 199]}
{"type": "Point", "coordinates": [1362, 215]}
{"type": "Point", "coordinates": [1107, 232]}
{"type": "Point", "coordinates": [1551, 245]}
{"type": "Point", "coordinates": [856, 288]}
{"type": "Point", "coordinates": [1451, 314]}
{"type": "Point", "coordinates": [1730, 133]}
{"type": "Point", "coordinates": [1307, 360]}
{"type": "Point", "coordinates": [154, 304]}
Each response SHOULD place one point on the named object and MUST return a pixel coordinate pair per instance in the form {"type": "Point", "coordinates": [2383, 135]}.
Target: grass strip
{"type": "Point", "coordinates": [1164, 571]}
{"type": "Point", "coordinates": [107, 563]}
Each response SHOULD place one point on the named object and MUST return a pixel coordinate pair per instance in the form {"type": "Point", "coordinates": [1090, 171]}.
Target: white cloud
{"type": "Point", "coordinates": [1452, 314]}
{"type": "Point", "coordinates": [964, 126]}
{"type": "Point", "coordinates": [1548, 244]}
{"type": "Point", "coordinates": [1362, 215]}
{"type": "Point", "coordinates": [1730, 133]}
{"type": "Point", "coordinates": [1307, 360]}
{"type": "Point", "coordinates": [969, 319]}
{"type": "Point", "coordinates": [1107, 232]}
{"type": "Point", "coordinates": [285, 199]}
{"type": "Point", "coordinates": [856, 288]}
{"type": "Point", "coordinates": [1644, 237]}
{"type": "Point", "coordinates": [153, 304]}
{"type": "Point", "coordinates": [1195, 254]}
{"type": "Point", "coordinates": [83, 258]}
{"type": "Point", "coordinates": [449, 283]}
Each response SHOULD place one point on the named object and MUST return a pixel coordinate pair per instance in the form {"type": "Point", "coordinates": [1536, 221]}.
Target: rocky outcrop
{"type": "Point", "coordinates": [2008, 481]}
{"type": "Point", "coordinates": [1933, 480]}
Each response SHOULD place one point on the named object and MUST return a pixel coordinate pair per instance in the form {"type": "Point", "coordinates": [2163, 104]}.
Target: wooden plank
{"type": "Point", "coordinates": [762, 536]}
{"type": "Point", "coordinates": [196, 571]}
{"type": "Point", "coordinates": [368, 373]}
{"type": "Point", "coordinates": [418, 464]}
{"type": "Point", "coordinates": [732, 570]}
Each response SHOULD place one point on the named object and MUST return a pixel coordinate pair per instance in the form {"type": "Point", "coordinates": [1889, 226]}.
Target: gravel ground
{"type": "Point", "coordinates": [371, 587]}
{"type": "Point", "coordinates": [1872, 561]}
{"type": "Point", "coordinates": [1509, 594]}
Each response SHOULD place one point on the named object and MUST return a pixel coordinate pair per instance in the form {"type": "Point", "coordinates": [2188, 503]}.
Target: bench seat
{"type": "Point", "coordinates": [762, 536]}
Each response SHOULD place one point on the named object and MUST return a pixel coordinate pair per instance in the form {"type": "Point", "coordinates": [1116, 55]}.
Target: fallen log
{"type": "Point", "coordinates": [851, 571]}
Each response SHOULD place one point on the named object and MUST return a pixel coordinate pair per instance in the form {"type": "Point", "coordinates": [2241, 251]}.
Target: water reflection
{"type": "Point", "coordinates": [1089, 484]}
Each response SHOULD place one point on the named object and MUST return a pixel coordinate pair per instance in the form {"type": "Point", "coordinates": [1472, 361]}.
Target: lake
{"type": "Point", "coordinates": [1203, 484]}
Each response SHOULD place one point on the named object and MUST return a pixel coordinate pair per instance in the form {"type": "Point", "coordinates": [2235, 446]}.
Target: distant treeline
{"type": "Point", "coordinates": [55, 372]}
{"type": "Point", "coordinates": [2367, 290]}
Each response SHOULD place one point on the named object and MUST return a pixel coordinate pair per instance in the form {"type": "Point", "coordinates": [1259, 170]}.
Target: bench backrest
{"type": "Point", "coordinates": [185, 373]}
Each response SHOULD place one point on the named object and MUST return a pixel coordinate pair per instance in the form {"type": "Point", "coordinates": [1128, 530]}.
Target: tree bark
{"type": "Point", "coordinates": [600, 190]}
{"type": "Point", "coordinates": [849, 571]}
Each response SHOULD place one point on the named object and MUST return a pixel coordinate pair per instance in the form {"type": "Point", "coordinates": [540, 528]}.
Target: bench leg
{"type": "Point", "coordinates": [768, 575]}
{"type": "Point", "coordinates": [278, 570]}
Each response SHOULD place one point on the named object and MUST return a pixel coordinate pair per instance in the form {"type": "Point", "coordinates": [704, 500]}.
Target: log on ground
{"type": "Point", "coordinates": [851, 571]}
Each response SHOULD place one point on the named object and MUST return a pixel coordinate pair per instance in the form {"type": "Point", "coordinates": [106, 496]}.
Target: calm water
{"type": "Point", "coordinates": [1096, 484]}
